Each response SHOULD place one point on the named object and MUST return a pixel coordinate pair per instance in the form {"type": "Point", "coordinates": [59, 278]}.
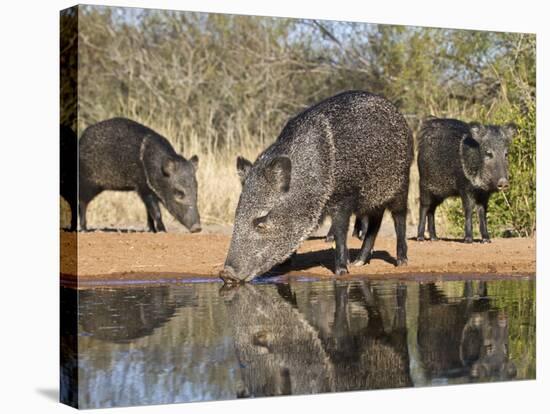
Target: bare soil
{"type": "Point", "coordinates": [141, 256]}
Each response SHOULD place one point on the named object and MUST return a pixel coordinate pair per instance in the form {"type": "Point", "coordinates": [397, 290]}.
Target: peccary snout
{"type": "Point", "coordinates": [196, 228]}
{"type": "Point", "coordinates": [503, 184]}
{"type": "Point", "coordinates": [177, 185]}
{"type": "Point", "coordinates": [229, 276]}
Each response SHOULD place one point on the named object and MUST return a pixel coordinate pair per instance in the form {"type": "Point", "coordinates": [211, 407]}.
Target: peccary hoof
{"type": "Point", "coordinates": [485, 240]}
{"type": "Point", "coordinates": [403, 261]}
{"type": "Point", "coordinates": [358, 263]}
{"type": "Point", "coordinates": [468, 240]}
{"type": "Point", "coordinates": [420, 238]}
{"type": "Point", "coordinates": [329, 238]}
{"type": "Point", "coordinates": [341, 271]}
{"type": "Point", "coordinates": [434, 238]}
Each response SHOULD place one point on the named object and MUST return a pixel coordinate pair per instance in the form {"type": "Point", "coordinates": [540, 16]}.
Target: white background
{"type": "Point", "coordinates": [29, 204]}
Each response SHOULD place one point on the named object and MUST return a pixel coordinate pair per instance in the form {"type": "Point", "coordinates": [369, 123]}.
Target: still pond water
{"type": "Point", "coordinates": [199, 341]}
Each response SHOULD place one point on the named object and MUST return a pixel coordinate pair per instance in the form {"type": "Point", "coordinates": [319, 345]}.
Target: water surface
{"type": "Point", "coordinates": [198, 341]}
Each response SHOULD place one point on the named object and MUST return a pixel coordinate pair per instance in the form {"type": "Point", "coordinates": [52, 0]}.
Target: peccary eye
{"type": "Point", "coordinates": [179, 195]}
{"type": "Point", "coordinates": [488, 154]}
{"type": "Point", "coordinates": [261, 223]}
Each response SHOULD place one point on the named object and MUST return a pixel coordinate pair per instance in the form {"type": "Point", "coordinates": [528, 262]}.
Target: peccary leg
{"type": "Point", "coordinates": [340, 223]}
{"type": "Point", "coordinates": [73, 218]}
{"type": "Point", "coordinates": [360, 227]}
{"type": "Point", "coordinates": [330, 235]}
{"type": "Point", "coordinates": [425, 202]}
{"type": "Point", "coordinates": [74, 213]}
{"type": "Point", "coordinates": [154, 217]}
{"type": "Point", "coordinates": [482, 289]}
{"type": "Point", "coordinates": [422, 222]}
{"type": "Point", "coordinates": [359, 230]}
{"type": "Point", "coordinates": [400, 224]}
{"type": "Point", "coordinates": [373, 227]}
{"type": "Point", "coordinates": [482, 214]}
{"type": "Point", "coordinates": [431, 220]}
{"type": "Point", "coordinates": [401, 317]}
{"type": "Point", "coordinates": [82, 207]}
{"type": "Point", "coordinates": [85, 196]}
{"type": "Point", "coordinates": [468, 291]}
{"type": "Point", "coordinates": [468, 205]}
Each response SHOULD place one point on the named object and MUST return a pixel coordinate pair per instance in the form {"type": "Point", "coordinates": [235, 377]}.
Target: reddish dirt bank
{"type": "Point", "coordinates": [170, 256]}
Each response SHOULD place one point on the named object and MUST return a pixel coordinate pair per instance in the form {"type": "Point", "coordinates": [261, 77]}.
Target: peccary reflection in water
{"type": "Point", "coordinates": [466, 338]}
{"type": "Point", "coordinates": [122, 315]}
{"type": "Point", "coordinates": [68, 344]}
{"type": "Point", "coordinates": [277, 349]}
{"type": "Point", "coordinates": [284, 349]}
{"type": "Point", "coordinates": [365, 335]}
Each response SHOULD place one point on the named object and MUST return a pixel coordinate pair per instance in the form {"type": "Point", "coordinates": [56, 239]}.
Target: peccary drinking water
{"type": "Point", "coordinates": [120, 154]}
{"type": "Point", "coordinates": [349, 154]}
{"type": "Point", "coordinates": [459, 159]}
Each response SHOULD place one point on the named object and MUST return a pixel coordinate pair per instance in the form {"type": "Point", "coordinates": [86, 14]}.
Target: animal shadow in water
{"type": "Point", "coordinates": [325, 258]}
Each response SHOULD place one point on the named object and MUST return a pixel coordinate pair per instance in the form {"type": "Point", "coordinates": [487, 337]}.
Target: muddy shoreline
{"type": "Point", "coordinates": [104, 258]}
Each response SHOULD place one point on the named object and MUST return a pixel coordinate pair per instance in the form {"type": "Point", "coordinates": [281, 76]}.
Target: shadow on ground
{"type": "Point", "coordinates": [443, 239]}
{"type": "Point", "coordinates": [325, 258]}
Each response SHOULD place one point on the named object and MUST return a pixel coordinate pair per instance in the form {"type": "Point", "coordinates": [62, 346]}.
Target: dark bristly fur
{"type": "Point", "coordinates": [120, 154]}
{"type": "Point", "coordinates": [349, 154]}
{"type": "Point", "coordinates": [459, 159]}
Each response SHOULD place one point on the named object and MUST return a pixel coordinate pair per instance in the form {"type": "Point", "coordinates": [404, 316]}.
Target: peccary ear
{"type": "Point", "coordinates": [477, 130]}
{"type": "Point", "coordinates": [194, 160]}
{"type": "Point", "coordinates": [509, 130]}
{"type": "Point", "coordinates": [278, 172]}
{"type": "Point", "coordinates": [243, 167]}
{"type": "Point", "coordinates": [168, 167]}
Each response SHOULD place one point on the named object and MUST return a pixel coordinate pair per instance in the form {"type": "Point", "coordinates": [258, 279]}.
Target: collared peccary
{"type": "Point", "coordinates": [460, 159]}
{"type": "Point", "coordinates": [120, 154]}
{"type": "Point", "coordinates": [68, 160]}
{"type": "Point", "coordinates": [349, 154]}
